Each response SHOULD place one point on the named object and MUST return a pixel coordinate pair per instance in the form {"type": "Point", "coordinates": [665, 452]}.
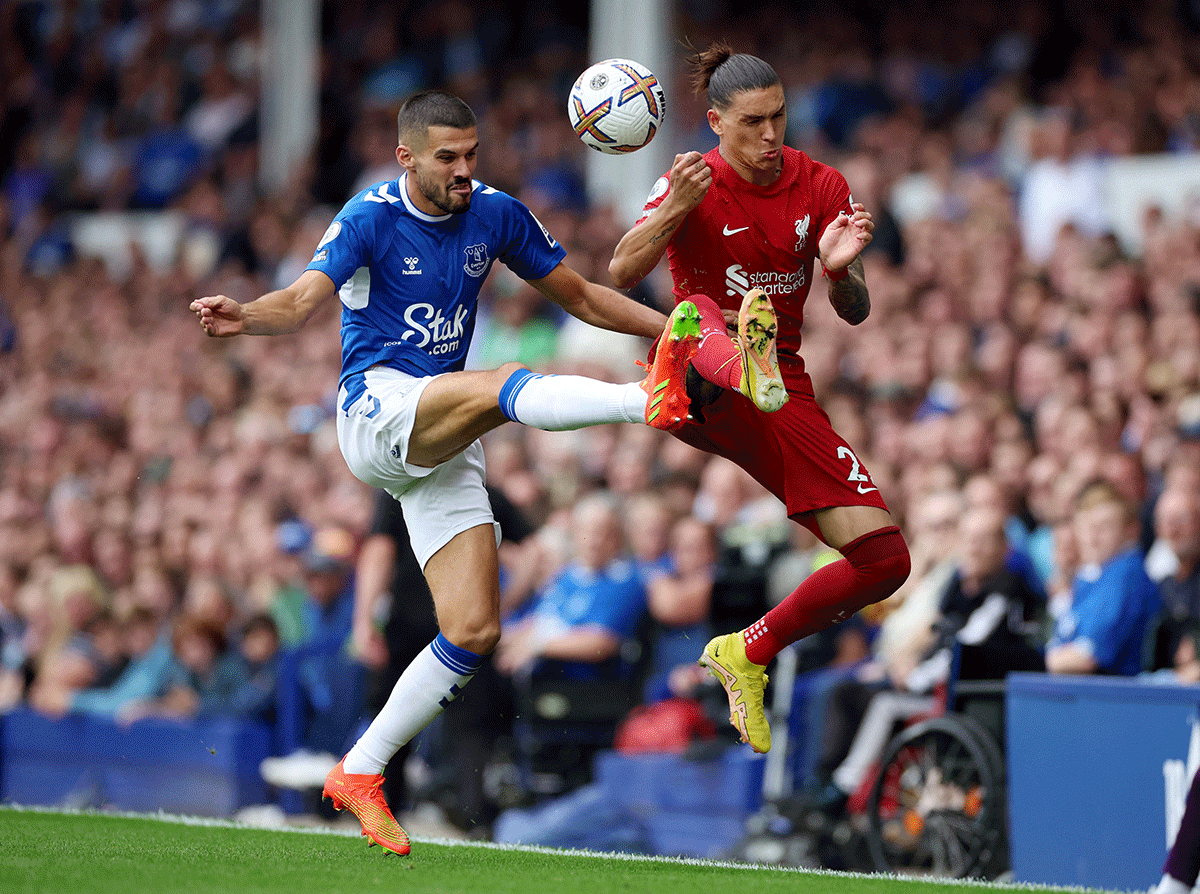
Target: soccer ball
{"type": "Point", "coordinates": [616, 106]}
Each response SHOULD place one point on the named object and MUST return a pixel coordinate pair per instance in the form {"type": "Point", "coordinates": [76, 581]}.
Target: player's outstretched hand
{"type": "Point", "coordinates": [846, 237]}
{"type": "Point", "coordinates": [690, 179]}
{"type": "Point", "coordinates": [219, 316]}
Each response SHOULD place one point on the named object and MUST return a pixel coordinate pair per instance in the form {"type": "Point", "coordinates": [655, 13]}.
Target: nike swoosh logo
{"type": "Point", "coordinates": [729, 232]}
{"type": "Point", "coordinates": [866, 490]}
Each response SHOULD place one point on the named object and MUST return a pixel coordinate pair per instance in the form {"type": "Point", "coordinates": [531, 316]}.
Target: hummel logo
{"type": "Point", "coordinates": [728, 232]}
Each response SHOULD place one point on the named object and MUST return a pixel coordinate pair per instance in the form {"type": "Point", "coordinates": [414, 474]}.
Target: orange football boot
{"type": "Point", "coordinates": [360, 794]}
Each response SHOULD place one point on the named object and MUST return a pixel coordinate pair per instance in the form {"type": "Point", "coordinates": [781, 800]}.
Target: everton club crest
{"type": "Point", "coordinates": [477, 259]}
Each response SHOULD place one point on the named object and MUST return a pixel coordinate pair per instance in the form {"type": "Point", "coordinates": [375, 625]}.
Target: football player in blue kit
{"type": "Point", "coordinates": [407, 258]}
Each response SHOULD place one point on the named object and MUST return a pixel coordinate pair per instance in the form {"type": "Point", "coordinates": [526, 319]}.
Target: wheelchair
{"type": "Point", "coordinates": [935, 805]}
{"type": "Point", "coordinates": [938, 804]}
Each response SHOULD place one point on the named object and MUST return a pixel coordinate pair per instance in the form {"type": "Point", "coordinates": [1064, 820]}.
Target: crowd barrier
{"type": "Point", "coordinates": [1096, 769]}
{"type": "Point", "coordinates": [196, 768]}
{"type": "Point", "coordinates": [685, 807]}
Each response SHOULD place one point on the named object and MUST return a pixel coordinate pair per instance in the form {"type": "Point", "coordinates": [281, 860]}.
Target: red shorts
{"type": "Point", "coordinates": [794, 452]}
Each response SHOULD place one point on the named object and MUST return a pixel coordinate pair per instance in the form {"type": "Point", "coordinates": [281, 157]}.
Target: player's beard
{"type": "Point", "coordinates": [440, 195]}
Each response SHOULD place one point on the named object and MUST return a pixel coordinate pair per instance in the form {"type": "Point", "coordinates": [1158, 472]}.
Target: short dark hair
{"type": "Point", "coordinates": [721, 74]}
{"type": "Point", "coordinates": [432, 108]}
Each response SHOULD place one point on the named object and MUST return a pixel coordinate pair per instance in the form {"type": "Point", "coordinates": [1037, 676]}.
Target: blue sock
{"type": "Point", "coordinates": [460, 660]}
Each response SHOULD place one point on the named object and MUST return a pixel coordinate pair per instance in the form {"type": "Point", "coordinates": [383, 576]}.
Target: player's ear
{"type": "Point", "coordinates": [404, 155]}
{"type": "Point", "coordinates": [714, 121]}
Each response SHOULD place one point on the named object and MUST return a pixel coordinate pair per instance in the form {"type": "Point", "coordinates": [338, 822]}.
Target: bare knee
{"type": "Point", "coordinates": [505, 370]}
{"type": "Point", "coordinates": [478, 638]}
{"type": "Point", "coordinates": [497, 378]}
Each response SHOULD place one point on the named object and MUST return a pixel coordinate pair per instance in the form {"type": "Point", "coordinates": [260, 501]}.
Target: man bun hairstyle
{"type": "Point", "coordinates": [721, 73]}
{"type": "Point", "coordinates": [432, 108]}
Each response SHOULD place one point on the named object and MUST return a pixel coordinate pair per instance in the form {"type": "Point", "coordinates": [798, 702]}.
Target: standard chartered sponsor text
{"type": "Point", "coordinates": [773, 282]}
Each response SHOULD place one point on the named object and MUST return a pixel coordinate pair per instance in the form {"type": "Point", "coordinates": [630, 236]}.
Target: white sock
{"type": "Point", "coordinates": [1168, 885]}
{"type": "Point", "coordinates": [562, 403]}
{"type": "Point", "coordinates": [427, 685]}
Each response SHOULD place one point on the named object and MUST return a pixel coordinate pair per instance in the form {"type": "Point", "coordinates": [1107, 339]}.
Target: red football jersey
{"type": "Point", "coordinates": [743, 236]}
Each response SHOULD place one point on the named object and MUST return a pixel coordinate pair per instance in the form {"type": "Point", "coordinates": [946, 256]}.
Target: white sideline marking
{"type": "Point", "coordinates": [216, 822]}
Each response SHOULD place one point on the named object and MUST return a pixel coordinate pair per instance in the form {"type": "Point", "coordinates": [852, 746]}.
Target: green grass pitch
{"type": "Point", "coordinates": [96, 853]}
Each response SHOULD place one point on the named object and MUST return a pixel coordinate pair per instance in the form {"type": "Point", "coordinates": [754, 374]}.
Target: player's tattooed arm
{"type": "Point", "coordinates": [640, 250]}
{"type": "Point", "coordinates": [643, 247]}
{"type": "Point", "coordinates": [664, 234]}
{"type": "Point", "coordinates": [849, 296]}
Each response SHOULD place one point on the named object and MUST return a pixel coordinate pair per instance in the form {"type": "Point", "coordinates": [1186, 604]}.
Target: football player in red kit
{"type": "Point", "coordinates": [743, 227]}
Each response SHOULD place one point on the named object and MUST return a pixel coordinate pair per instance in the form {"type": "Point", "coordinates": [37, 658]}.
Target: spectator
{"type": "Point", "coordinates": [12, 641]}
{"type": "Point", "coordinates": [648, 531]}
{"type": "Point", "coordinates": [1062, 187]}
{"type": "Point", "coordinates": [321, 686]}
{"type": "Point", "coordinates": [1184, 665]}
{"type": "Point", "coordinates": [1112, 598]}
{"type": "Point", "coordinates": [146, 676]}
{"type": "Point", "coordinates": [680, 601]}
{"type": "Point", "coordinates": [209, 599]}
{"type": "Point", "coordinates": [68, 660]}
{"type": "Point", "coordinates": [753, 531]}
{"type": "Point", "coordinates": [330, 679]}
{"type": "Point", "coordinates": [285, 597]}
{"type": "Point", "coordinates": [259, 649]}
{"type": "Point", "coordinates": [823, 660]}
{"type": "Point", "coordinates": [589, 609]}
{"type": "Point", "coordinates": [204, 678]}
{"type": "Point", "coordinates": [906, 633]}
{"type": "Point", "coordinates": [1046, 508]}
{"type": "Point", "coordinates": [1177, 521]}
{"type": "Point", "coordinates": [987, 613]}
{"type": "Point", "coordinates": [516, 325]}
{"type": "Point", "coordinates": [583, 637]}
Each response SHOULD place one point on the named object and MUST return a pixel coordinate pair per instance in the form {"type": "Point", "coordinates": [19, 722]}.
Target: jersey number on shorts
{"type": "Point", "coordinates": [856, 472]}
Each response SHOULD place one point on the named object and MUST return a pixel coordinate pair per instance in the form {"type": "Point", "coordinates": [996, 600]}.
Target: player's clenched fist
{"type": "Point", "coordinates": [690, 178]}
{"type": "Point", "coordinates": [219, 316]}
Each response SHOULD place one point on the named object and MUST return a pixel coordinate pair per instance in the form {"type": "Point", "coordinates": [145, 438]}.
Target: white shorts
{"type": "Point", "coordinates": [376, 413]}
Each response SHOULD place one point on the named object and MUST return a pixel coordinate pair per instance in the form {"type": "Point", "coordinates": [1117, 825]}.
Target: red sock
{"type": "Point", "coordinates": [872, 568]}
{"type": "Point", "coordinates": [717, 357]}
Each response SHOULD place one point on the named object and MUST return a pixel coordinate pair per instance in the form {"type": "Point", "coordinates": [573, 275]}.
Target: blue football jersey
{"type": "Point", "coordinates": [409, 281]}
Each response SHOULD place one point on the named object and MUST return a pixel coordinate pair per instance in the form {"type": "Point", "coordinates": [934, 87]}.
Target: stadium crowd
{"type": "Point", "coordinates": [174, 511]}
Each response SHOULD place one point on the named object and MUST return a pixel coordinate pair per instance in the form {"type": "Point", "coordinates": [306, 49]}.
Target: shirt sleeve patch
{"type": "Point", "coordinates": [335, 228]}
